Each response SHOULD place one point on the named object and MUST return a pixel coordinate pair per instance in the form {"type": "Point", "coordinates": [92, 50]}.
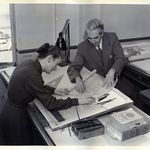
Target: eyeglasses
{"type": "Point", "coordinates": [95, 38]}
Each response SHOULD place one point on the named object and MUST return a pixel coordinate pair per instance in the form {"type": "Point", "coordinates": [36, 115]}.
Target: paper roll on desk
{"type": "Point", "coordinates": [86, 78]}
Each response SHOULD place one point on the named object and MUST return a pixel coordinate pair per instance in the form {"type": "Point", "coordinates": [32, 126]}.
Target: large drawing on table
{"type": "Point", "coordinates": [62, 118]}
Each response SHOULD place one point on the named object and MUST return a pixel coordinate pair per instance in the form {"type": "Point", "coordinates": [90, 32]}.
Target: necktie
{"type": "Point", "coordinates": [100, 53]}
{"type": "Point", "coordinates": [98, 48]}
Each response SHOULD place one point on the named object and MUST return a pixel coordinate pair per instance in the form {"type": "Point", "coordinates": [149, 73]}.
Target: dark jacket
{"type": "Point", "coordinates": [87, 56]}
{"type": "Point", "coordinates": [25, 85]}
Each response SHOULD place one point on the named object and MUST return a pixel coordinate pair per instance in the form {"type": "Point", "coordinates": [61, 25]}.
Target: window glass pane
{"type": "Point", "coordinates": [5, 34]}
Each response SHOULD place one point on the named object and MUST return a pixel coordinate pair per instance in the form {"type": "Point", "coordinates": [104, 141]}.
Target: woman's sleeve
{"type": "Point", "coordinates": [35, 86]}
{"type": "Point", "coordinates": [76, 66]}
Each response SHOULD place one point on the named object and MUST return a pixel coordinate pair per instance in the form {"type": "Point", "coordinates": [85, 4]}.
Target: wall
{"type": "Point", "coordinates": [36, 24]}
{"type": "Point", "coordinates": [39, 23]}
{"type": "Point", "coordinates": [87, 12]}
{"type": "Point", "coordinates": [128, 21]}
{"type": "Point", "coordinates": [64, 12]}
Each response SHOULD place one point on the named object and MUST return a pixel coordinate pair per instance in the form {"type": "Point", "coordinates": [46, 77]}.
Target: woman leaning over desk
{"type": "Point", "coordinates": [25, 85]}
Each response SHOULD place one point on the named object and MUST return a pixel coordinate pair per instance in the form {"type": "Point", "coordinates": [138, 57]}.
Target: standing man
{"type": "Point", "coordinates": [101, 51]}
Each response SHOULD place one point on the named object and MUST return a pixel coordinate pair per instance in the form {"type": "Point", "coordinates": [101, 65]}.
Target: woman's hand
{"type": "Point", "coordinates": [61, 91]}
{"type": "Point", "coordinates": [86, 101]}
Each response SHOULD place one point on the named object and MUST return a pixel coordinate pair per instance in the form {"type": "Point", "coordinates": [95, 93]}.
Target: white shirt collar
{"type": "Point", "coordinates": [100, 45]}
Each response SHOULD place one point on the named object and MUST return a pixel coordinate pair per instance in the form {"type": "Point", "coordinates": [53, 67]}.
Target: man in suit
{"type": "Point", "coordinates": [101, 51]}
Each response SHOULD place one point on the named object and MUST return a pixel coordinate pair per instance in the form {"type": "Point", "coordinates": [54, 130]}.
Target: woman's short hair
{"type": "Point", "coordinates": [46, 50]}
{"type": "Point", "coordinates": [92, 25]}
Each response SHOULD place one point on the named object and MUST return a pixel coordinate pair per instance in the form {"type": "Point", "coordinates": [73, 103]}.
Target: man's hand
{"type": "Point", "coordinates": [61, 91]}
{"type": "Point", "coordinates": [79, 86]}
{"type": "Point", "coordinates": [86, 101]}
{"type": "Point", "coordinates": [109, 80]}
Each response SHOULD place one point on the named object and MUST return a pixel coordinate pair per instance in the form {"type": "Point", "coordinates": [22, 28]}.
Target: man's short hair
{"type": "Point", "coordinates": [92, 25]}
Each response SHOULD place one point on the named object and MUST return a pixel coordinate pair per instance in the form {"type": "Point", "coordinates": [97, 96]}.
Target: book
{"type": "Point", "coordinates": [126, 124]}
{"type": "Point", "coordinates": [126, 117]}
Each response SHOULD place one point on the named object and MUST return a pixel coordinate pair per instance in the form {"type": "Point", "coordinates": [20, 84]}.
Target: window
{"type": "Point", "coordinates": [5, 35]}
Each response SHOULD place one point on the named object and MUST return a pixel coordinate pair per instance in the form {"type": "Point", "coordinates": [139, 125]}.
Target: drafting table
{"type": "Point", "coordinates": [139, 72]}
{"type": "Point", "coordinates": [63, 137]}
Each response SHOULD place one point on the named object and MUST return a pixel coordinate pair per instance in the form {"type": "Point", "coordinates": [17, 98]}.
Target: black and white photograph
{"type": "Point", "coordinates": [74, 74]}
